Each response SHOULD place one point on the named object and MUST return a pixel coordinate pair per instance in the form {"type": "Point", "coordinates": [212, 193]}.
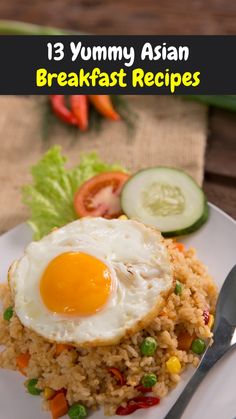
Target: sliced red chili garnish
{"type": "Point", "coordinates": [141, 402]}
{"type": "Point", "coordinates": [206, 316]}
{"type": "Point", "coordinates": [118, 375]}
{"type": "Point", "coordinates": [123, 411]}
{"type": "Point", "coordinates": [146, 400]}
{"type": "Point", "coordinates": [143, 389]}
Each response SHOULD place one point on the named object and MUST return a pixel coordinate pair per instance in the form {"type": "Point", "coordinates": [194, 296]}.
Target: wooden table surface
{"type": "Point", "coordinates": [154, 17]}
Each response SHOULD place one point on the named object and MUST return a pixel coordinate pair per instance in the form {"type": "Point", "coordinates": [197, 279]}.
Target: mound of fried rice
{"type": "Point", "coordinates": [84, 372]}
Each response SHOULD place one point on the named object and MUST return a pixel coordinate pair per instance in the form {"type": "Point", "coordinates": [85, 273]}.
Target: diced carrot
{"type": "Point", "coordinates": [22, 362]}
{"type": "Point", "coordinates": [58, 405]}
{"type": "Point", "coordinates": [60, 347]}
{"type": "Point", "coordinates": [180, 246]}
{"type": "Point", "coordinates": [185, 341]}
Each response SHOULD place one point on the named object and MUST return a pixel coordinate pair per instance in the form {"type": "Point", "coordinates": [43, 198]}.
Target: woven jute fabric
{"type": "Point", "coordinates": [168, 131]}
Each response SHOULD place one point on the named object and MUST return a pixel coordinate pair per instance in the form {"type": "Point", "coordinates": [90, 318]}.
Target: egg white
{"type": "Point", "coordinates": [141, 275]}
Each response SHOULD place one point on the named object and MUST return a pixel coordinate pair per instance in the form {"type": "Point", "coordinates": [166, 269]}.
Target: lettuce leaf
{"type": "Point", "coordinates": [50, 196]}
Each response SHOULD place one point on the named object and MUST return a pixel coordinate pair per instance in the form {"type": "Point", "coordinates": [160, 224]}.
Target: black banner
{"type": "Point", "coordinates": [118, 65]}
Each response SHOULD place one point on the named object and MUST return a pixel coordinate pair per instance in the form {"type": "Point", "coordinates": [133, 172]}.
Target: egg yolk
{"type": "Point", "coordinates": [75, 284]}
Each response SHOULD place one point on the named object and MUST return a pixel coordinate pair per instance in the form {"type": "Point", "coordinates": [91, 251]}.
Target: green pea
{"type": "Point", "coordinates": [178, 288]}
{"type": "Point", "coordinates": [149, 380]}
{"type": "Point", "coordinates": [148, 346]}
{"type": "Point", "coordinates": [198, 346]}
{"type": "Point", "coordinates": [32, 387]}
{"type": "Point", "coordinates": [77, 411]}
{"type": "Point", "coordinates": [8, 313]}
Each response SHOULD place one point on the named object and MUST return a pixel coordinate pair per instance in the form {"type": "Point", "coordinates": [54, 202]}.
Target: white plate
{"type": "Point", "coordinates": [215, 398]}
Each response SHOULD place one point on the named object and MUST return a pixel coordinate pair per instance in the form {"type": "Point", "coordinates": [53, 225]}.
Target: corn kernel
{"type": "Point", "coordinates": [173, 365]}
{"type": "Point", "coordinates": [48, 393]}
{"type": "Point", "coordinates": [210, 321]}
{"type": "Point", "coordinates": [123, 217]}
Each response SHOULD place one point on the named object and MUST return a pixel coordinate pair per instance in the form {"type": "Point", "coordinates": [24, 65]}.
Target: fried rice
{"type": "Point", "coordinates": [84, 372]}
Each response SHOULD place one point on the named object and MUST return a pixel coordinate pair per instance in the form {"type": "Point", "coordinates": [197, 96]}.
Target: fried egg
{"type": "Point", "coordinates": [92, 281]}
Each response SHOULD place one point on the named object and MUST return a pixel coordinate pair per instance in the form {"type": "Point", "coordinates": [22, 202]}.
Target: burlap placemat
{"type": "Point", "coordinates": [168, 131]}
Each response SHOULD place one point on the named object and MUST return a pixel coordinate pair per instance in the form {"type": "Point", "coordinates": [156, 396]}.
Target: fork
{"type": "Point", "coordinates": [224, 333]}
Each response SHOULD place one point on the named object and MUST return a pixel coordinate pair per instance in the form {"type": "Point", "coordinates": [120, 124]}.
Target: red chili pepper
{"type": "Point", "coordinates": [60, 109]}
{"type": "Point", "coordinates": [146, 401]}
{"type": "Point", "coordinates": [143, 389]}
{"type": "Point", "coordinates": [79, 107]}
{"type": "Point", "coordinates": [136, 403]}
{"type": "Point", "coordinates": [206, 316]}
{"type": "Point", "coordinates": [118, 375]}
{"type": "Point", "coordinates": [104, 106]}
{"type": "Point", "coordinates": [123, 411]}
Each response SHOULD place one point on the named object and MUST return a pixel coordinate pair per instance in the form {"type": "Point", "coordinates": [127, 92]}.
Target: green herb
{"type": "Point", "coordinates": [148, 346]}
{"type": "Point", "coordinates": [178, 288]}
{"type": "Point", "coordinates": [8, 313]}
{"type": "Point", "coordinates": [50, 196]}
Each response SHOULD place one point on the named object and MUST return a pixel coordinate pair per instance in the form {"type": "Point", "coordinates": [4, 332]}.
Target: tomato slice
{"type": "Point", "coordinates": [100, 195]}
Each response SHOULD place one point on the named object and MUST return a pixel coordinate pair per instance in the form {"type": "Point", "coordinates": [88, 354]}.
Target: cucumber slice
{"type": "Point", "coordinates": [166, 198]}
